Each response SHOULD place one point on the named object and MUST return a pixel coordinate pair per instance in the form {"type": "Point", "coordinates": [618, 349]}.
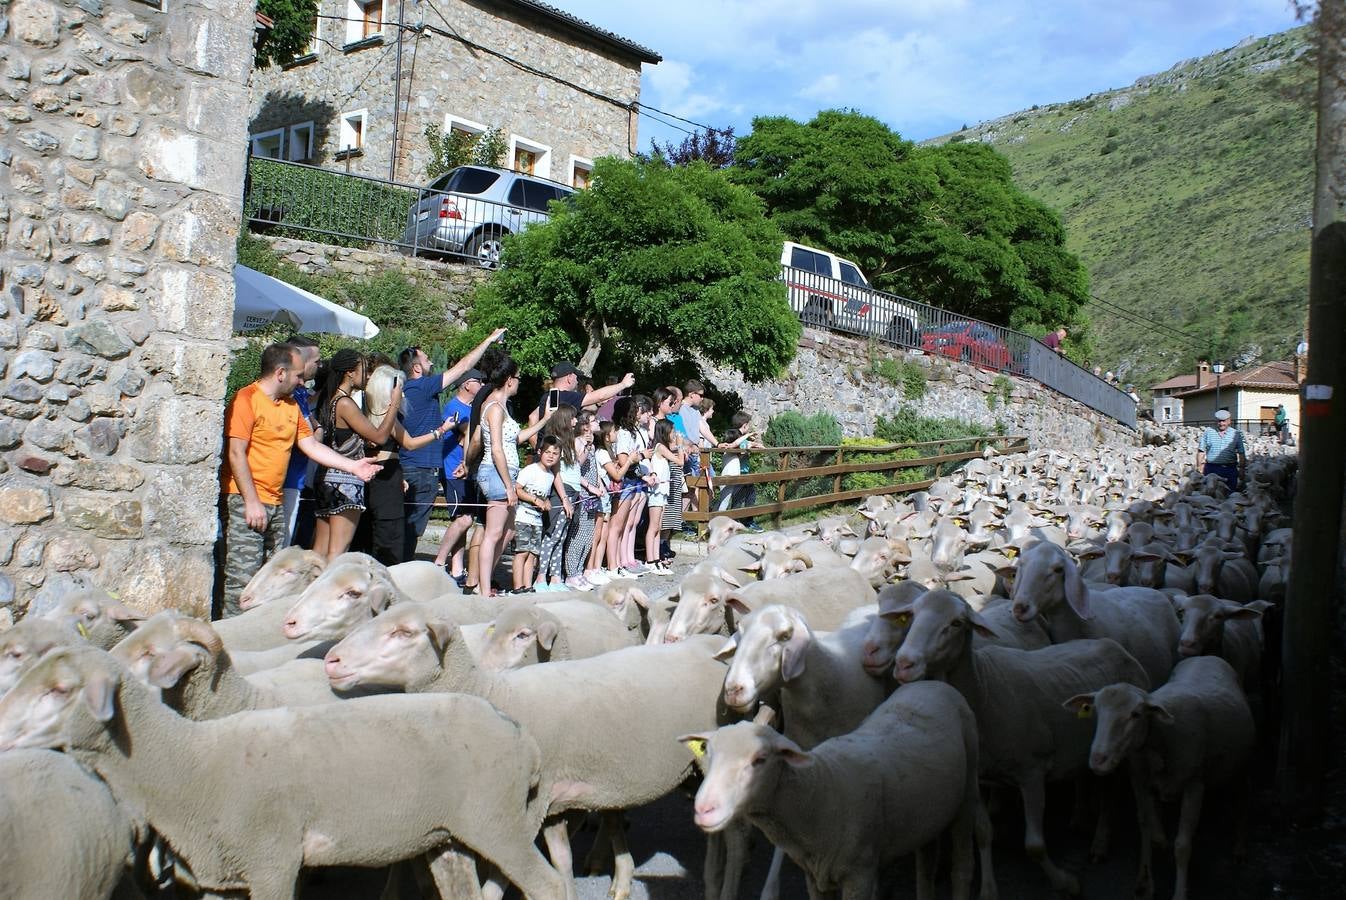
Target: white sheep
{"type": "Point", "coordinates": [23, 645]}
{"type": "Point", "coordinates": [305, 772]}
{"type": "Point", "coordinates": [564, 629]}
{"type": "Point", "coordinates": [1193, 733]}
{"type": "Point", "coordinates": [96, 615]}
{"type": "Point", "coordinates": [1026, 738]}
{"type": "Point", "coordinates": [1142, 620]}
{"type": "Point", "coordinates": [185, 659]}
{"type": "Point", "coordinates": [285, 574]}
{"type": "Point", "coordinates": [835, 809]}
{"type": "Point", "coordinates": [600, 756]}
{"type": "Point", "coordinates": [826, 596]}
{"type": "Point", "coordinates": [1215, 627]}
{"type": "Point", "coordinates": [62, 834]}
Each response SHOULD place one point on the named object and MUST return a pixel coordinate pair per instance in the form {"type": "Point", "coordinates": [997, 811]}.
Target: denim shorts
{"type": "Point", "coordinates": [489, 485]}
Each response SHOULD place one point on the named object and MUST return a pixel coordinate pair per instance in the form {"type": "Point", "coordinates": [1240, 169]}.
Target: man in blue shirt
{"type": "Point", "coordinates": [456, 490]}
{"type": "Point", "coordinates": [1220, 451]}
{"type": "Point", "coordinates": [307, 349]}
{"type": "Point", "coordinates": [420, 400]}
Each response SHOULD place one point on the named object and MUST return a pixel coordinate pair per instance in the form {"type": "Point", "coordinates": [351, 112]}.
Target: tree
{"type": "Point", "coordinates": [649, 258]}
{"type": "Point", "coordinates": [290, 33]}
{"type": "Point", "coordinates": [714, 147]}
{"type": "Point", "coordinates": [944, 225]}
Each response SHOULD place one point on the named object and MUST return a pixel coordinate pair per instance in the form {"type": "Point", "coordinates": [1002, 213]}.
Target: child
{"type": "Point", "coordinates": [587, 491]}
{"type": "Point", "coordinates": [605, 433]}
{"type": "Point", "coordinates": [659, 480]}
{"type": "Point", "coordinates": [741, 436]}
{"type": "Point", "coordinates": [534, 485]}
{"type": "Point", "coordinates": [567, 486]}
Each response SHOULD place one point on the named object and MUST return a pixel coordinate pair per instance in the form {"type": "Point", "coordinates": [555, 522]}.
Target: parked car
{"type": "Point", "coordinates": [470, 209]}
{"type": "Point", "coordinates": [831, 292]}
{"type": "Point", "coordinates": [971, 342]}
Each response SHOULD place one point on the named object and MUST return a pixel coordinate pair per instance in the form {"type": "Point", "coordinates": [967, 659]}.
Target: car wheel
{"type": "Point", "coordinates": [484, 246]}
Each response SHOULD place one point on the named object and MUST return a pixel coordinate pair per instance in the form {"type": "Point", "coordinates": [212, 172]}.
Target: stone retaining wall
{"type": "Point", "coordinates": [120, 197]}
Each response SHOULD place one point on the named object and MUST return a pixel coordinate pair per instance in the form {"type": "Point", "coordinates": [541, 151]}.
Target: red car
{"type": "Point", "coordinates": [971, 342]}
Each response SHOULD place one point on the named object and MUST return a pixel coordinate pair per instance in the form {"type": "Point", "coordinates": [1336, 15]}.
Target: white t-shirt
{"type": "Point", "coordinates": [628, 442]}
{"type": "Point", "coordinates": [659, 492]}
{"type": "Point", "coordinates": [539, 482]}
{"type": "Point", "coordinates": [602, 458]}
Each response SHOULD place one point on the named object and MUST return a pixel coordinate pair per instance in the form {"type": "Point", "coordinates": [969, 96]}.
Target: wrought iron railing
{"type": "Point", "coordinates": [825, 302]}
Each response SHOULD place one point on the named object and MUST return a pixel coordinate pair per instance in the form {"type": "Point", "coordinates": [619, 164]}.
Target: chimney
{"type": "Point", "coordinates": [1301, 369]}
{"type": "Point", "coordinates": [1202, 374]}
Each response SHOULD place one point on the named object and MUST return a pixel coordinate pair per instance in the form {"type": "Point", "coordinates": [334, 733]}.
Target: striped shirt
{"type": "Point", "coordinates": [1222, 449]}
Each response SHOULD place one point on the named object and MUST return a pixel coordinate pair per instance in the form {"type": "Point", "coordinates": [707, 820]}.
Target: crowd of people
{"type": "Point", "coordinates": [591, 485]}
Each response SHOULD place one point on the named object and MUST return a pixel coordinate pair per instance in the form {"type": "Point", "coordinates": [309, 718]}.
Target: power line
{"type": "Point", "coordinates": [641, 105]}
{"type": "Point", "coordinates": [641, 111]}
{"type": "Point", "coordinates": [1141, 320]}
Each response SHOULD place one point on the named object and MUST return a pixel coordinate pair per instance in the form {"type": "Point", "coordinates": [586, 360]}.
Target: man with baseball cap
{"type": "Point", "coordinates": [565, 379]}
{"type": "Point", "coordinates": [1220, 451]}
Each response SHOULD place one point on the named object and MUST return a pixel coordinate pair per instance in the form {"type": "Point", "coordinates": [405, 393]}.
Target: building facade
{"type": "Point", "coordinates": [1251, 395]}
{"type": "Point", "coordinates": [120, 195]}
{"type": "Point", "coordinates": [561, 91]}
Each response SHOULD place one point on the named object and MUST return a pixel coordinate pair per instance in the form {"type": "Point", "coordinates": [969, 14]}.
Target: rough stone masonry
{"type": "Point", "coordinates": [122, 141]}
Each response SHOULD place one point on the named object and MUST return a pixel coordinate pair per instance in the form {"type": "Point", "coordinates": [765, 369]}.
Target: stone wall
{"type": "Point", "coordinates": [120, 197]}
{"type": "Point", "coordinates": [444, 76]}
{"type": "Point", "coordinates": [831, 374]}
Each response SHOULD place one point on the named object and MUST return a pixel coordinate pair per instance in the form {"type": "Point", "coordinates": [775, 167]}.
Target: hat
{"type": "Point", "coordinates": [468, 376]}
{"type": "Point", "coordinates": [1221, 414]}
{"type": "Point", "coordinates": [562, 369]}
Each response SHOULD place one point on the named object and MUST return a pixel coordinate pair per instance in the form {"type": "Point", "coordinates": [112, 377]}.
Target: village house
{"type": "Point", "coordinates": [1251, 395]}
{"type": "Point", "coordinates": [562, 91]}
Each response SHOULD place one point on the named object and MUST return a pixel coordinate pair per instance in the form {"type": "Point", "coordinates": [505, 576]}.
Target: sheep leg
{"type": "Point", "coordinates": [1098, 849]}
{"type": "Point", "coordinates": [278, 880]}
{"type": "Point", "coordinates": [1034, 792]}
{"type": "Point", "coordinates": [863, 885]}
{"type": "Point", "coordinates": [599, 856]}
{"type": "Point", "coordinates": [736, 842]}
{"type": "Point", "coordinates": [985, 835]}
{"type": "Point", "coordinates": [454, 871]}
{"type": "Point", "coordinates": [814, 892]}
{"type": "Point", "coordinates": [961, 832]}
{"type": "Point", "coordinates": [925, 873]}
{"type": "Point", "coordinates": [623, 865]}
{"type": "Point", "coordinates": [771, 889]}
{"type": "Point", "coordinates": [557, 835]}
{"type": "Point", "coordinates": [1146, 817]}
{"type": "Point", "coordinates": [712, 872]}
{"type": "Point", "coordinates": [1192, 796]}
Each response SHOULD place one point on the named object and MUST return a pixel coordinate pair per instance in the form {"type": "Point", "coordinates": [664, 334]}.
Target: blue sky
{"type": "Point", "coordinates": [925, 67]}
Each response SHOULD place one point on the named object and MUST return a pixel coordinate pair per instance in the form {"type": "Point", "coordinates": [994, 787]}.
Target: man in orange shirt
{"type": "Point", "coordinates": [261, 426]}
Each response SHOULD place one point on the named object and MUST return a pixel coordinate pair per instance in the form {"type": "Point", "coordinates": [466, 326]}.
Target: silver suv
{"type": "Point", "coordinates": [470, 209]}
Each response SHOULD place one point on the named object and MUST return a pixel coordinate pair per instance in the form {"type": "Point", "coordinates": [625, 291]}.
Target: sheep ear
{"type": "Point", "coordinates": [1159, 713]}
{"type": "Point", "coordinates": [695, 743]}
{"type": "Point", "coordinates": [641, 598]}
{"type": "Point", "coordinates": [728, 649]}
{"type": "Point", "coordinates": [120, 612]}
{"type": "Point", "coordinates": [1081, 705]}
{"type": "Point", "coordinates": [171, 667]}
{"type": "Point", "coordinates": [441, 631]}
{"type": "Point", "coordinates": [737, 605]}
{"type": "Point", "coordinates": [547, 631]}
{"type": "Point", "coordinates": [1077, 594]}
{"type": "Point", "coordinates": [727, 577]}
{"type": "Point", "coordinates": [980, 625]}
{"type": "Point", "coordinates": [792, 654]}
{"type": "Point", "coordinates": [1234, 611]}
{"type": "Point", "coordinates": [766, 714]}
{"type": "Point", "coordinates": [752, 566]}
{"type": "Point", "coordinates": [100, 695]}
{"type": "Point", "coordinates": [794, 756]}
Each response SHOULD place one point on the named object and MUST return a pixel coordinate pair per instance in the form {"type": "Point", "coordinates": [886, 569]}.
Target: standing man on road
{"type": "Point", "coordinates": [1220, 451]}
{"type": "Point", "coordinates": [262, 425]}
{"type": "Point", "coordinates": [420, 400]}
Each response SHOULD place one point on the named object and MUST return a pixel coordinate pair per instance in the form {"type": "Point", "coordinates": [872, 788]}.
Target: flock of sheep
{"type": "Point", "coordinates": [855, 691]}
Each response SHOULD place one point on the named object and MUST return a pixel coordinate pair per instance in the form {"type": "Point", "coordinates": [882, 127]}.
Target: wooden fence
{"type": "Point", "coordinates": [782, 476]}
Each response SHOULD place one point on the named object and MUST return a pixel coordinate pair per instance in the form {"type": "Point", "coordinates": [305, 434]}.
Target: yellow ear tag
{"type": "Point", "coordinates": [113, 594]}
{"type": "Point", "coordinates": [960, 521]}
{"type": "Point", "coordinates": [904, 619]}
{"type": "Point", "coordinates": [698, 748]}
{"type": "Point", "coordinates": [1085, 711]}
{"type": "Point", "coordinates": [1010, 553]}
{"type": "Point", "coordinates": [83, 632]}
{"type": "Point", "coordinates": [490, 628]}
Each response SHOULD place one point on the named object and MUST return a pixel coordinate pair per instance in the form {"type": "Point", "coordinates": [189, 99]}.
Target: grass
{"type": "Point", "coordinates": [1190, 203]}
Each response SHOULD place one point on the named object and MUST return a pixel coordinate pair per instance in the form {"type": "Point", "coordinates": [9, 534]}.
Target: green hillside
{"type": "Point", "coordinates": [1189, 197]}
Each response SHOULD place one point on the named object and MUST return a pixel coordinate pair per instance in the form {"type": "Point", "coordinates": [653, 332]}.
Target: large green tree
{"type": "Point", "coordinates": [944, 225]}
{"type": "Point", "coordinates": [650, 257]}
{"type": "Point", "coordinates": [290, 32]}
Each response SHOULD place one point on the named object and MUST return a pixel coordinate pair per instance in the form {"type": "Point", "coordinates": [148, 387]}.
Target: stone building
{"type": "Point", "coordinates": [562, 91]}
{"type": "Point", "coordinates": [120, 198]}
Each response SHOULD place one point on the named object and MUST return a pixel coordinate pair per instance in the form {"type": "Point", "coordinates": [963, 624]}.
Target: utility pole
{"type": "Point", "coordinates": [397, 90]}
{"type": "Point", "coordinates": [1316, 555]}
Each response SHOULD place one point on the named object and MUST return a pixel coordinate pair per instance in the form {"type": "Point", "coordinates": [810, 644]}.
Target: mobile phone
{"type": "Point", "coordinates": [553, 399]}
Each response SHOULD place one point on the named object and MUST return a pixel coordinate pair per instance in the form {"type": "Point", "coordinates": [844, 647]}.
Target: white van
{"type": "Point", "coordinates": [830, 292]}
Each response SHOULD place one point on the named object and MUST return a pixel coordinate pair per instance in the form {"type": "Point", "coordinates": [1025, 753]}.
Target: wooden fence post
{"type": "Point", "coordinates": [780, 489]}
{"type": "Point", "coordinates": [836, 482]}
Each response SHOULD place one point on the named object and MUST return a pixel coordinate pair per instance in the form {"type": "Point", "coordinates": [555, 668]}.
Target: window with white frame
{"type": "Point", "coordinates": [353, 130]}
{"type": "Point", "coordinates": [314, 37]}
{"type": "Point", "coordinates": [581, 172]}
{"type": "Point", "coordinates": [529, 157]}
{"type": "Point", "coordinates": [269, 144]}
{"type": "Point", "coordinates": [364, 19]}
{"type": "Point", "coordinates": [301, 142]}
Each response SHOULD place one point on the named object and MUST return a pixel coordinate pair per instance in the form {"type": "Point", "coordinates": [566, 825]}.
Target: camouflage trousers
{"type": "Point", "coordinates": [244, 549]}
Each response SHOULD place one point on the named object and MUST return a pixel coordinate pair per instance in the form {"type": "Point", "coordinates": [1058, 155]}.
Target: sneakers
{"type": "Point", "coordinates": [631, 571]}
{"type": "Point", "coordinates": [578, 583]}
{"type": "Point", "coordinates": [460, 579]}
{"type": "Point", "coordinates": [754, 527]}
{"type": "Point", "coordinates": [597, 576]}
{"type": "Point", "coordinates": [662, 568]}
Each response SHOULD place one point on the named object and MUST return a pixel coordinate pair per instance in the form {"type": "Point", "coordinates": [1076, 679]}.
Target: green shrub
{"type": "Point", "coordinates": [905, 373]}
{"type": "Point", "coordinates": [330, 207]}
{"type": "Point", "coordinates": [1107, 148]}
{"type": "Point", "coordinates": [793, 429]}
{"type": "Point", "coordinates": [907, 426]}
{"type": "Point", "coordinates": [856, 481]}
